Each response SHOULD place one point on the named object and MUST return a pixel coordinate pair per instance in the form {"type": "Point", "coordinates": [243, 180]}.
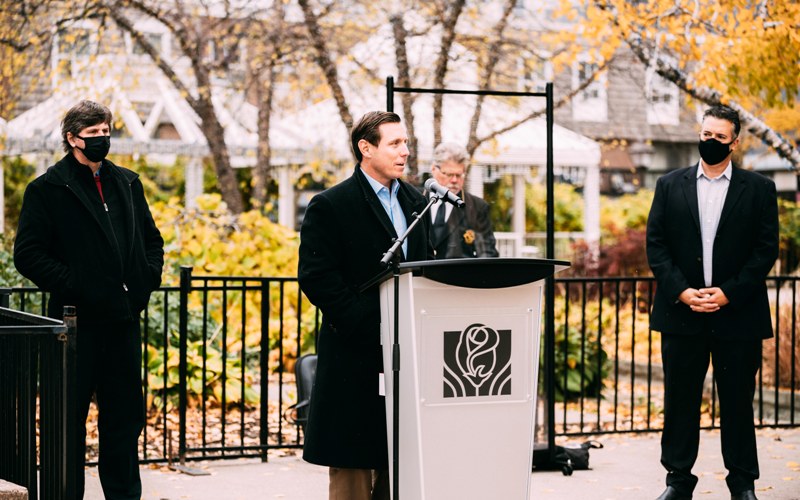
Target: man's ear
{"type": "Point", "coordinates": [364, 147]}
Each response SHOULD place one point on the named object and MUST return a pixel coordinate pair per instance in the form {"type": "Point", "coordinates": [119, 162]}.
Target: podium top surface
{"type": "Point", "coordinates": [485, 273]}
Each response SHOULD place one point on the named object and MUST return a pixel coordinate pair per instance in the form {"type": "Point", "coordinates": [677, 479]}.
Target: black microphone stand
{"type": "Point", "coordinates": [392, 256]}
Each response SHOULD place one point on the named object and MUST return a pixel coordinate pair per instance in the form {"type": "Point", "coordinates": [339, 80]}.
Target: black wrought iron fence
{"type": "Point", "coordinates": [219, 352]}
{"type": "Point", "coordinates": [608, 361]}
{"type": "Point", "coordinates": [37, 404]}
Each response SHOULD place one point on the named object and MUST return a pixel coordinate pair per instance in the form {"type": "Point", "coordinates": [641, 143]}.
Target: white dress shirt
{"type": "Point", "coordinates": [710, 199]}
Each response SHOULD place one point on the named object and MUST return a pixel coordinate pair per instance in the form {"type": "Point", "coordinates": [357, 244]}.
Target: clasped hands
{"type": "Point", "coordinates": [704, 299]}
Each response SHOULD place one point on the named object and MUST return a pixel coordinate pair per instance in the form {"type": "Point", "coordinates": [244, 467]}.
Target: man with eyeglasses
{"type": "Point", "coordinates": [458, 232]}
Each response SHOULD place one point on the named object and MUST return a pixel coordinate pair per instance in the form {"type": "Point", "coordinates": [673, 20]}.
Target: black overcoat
{"type": "Point", "coordinates": [745, 249]}
{"type": "Point", "coordinates": [345, 233]}
{"type": "Point", "coordinates": [66, 243]}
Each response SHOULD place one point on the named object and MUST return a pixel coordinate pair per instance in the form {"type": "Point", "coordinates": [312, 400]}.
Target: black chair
{"type": "Point", "coordinates": [304, 370]}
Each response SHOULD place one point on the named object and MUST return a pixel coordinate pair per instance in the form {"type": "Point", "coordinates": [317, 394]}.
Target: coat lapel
{"type": "Point", "coordinates": [124, 190]}
{"type": "Point", "coordinates": [690, 192]}
{"type": "Point", "coordinates": [735, 190]}
{"type": "Point", "coordinates": [456, 219]}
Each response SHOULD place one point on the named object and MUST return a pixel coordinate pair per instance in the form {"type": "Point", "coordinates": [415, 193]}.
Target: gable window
{"type": "Point", "coordinates": [154, 33]}
{"type": "Point", "coordinates": [154, 39]}
{"type": "Point", "coordinates": [72, 49]}
{"type": "Point", "coordinates": [663, 107]}
{"type": "Point", "coordinates": [534, 73]}
{"type": "Point", "coordinates": [591, 103]}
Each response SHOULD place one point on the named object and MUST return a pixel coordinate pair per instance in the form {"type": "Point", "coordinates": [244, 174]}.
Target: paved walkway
{"type": "Point", "coordinates": [626, 469]}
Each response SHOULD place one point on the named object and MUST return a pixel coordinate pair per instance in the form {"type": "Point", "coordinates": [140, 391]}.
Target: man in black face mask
{"type": "Point", "coordinates": [712, 238]}
{"type": "Point", "coordinates": [86, 236]}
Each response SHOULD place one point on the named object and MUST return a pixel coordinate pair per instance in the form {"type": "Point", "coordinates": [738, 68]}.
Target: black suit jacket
{"type": "Point", "coordinates": [745, 249]}
{"type": "Point", "coordinates": [469, 231]}
{"type": "Point", "coordinates": [345, 233]}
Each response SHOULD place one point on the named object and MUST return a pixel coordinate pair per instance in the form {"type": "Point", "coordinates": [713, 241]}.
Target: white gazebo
{"type": "Point", "coordinates": [520, 152]}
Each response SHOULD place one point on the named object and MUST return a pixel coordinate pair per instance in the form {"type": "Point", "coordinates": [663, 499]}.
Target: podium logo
{"type": "Point", "coordinates": [477, 362]}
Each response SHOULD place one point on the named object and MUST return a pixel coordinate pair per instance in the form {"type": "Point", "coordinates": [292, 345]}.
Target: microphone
{"type": "Point", "coordinates": [443, 193]}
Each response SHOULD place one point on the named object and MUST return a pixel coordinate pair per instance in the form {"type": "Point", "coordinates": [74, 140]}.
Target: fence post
{"type": "Point", "coordinates": [263, 434]}
{"type": "Point", "coordinates": [183, 333]}
{"type": "Point", "coordinates": [5, 295]}
{"type": "Point", "coordinates": [550, 287]}
{"type": "Point", "coordinates": [70, 420]}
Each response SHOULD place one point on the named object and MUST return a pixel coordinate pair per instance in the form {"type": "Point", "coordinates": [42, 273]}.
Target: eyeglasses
{"type": "Point", "coordinates": [450, 175]}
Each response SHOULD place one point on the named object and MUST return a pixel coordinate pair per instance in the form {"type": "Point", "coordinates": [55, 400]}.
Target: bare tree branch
{"type": "Point", "coordinates": [324, 62]}
{"type": "Point", "coordinates": [493, 56]}
{"type": "Point", "coordinates": [127, 26]}
{"type": "Point", "coordinates": [535, 114]}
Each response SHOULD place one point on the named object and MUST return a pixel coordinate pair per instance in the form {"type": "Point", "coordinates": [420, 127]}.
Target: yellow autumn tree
{"type": "Point", "coordinates": [735, 52]}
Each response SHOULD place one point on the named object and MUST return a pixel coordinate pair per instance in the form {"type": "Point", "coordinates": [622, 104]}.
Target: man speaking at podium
{"type": "Point", "coordinates": [345, 232]}
{"type": "Point", "coordinates": [458, 232]}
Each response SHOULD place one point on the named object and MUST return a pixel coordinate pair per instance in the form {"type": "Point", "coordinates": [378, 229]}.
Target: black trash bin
{"type": "Point", "coordinates": [37, 410]}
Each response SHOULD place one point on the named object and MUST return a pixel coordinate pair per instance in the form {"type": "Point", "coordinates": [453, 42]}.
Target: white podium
{"type": "Point", "coordinates": [468, 338]}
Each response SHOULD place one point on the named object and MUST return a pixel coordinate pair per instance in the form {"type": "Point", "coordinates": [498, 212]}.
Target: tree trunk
{"type": "Point", "coordinates": [404, 80]}
{"type": "Point", "coordinates": [215, 136]}
{"type": "Point", "coordinates": [210, 126]}
{"type": "Point", "coordinates": [325, 63]}
{"type": "Point", "coordinates": [440, 70]}
{"type": "Point", "coordinates": [262, 170]}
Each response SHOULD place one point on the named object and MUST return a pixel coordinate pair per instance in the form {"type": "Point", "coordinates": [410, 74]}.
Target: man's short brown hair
{"type": "Point", "coordinates": [725, 113]}
{"type": "Point", "coordinates": [368, 128]}
{"type": "Point", "coordinates": [82, 115]}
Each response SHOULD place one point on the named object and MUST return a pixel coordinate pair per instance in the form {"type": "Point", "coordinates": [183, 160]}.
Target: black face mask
{"type": "Point", "coordinates": [95, 148]}
{"type": "Point", "coordinates": [713, 152]}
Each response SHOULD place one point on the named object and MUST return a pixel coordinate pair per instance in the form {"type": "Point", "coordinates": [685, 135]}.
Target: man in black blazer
{"type": "Point", "coordinates": [712, 238]}
{"type": "Point", "coordinates": [345, 232]}
{"type": "Point", "coordinates": [458, 232]}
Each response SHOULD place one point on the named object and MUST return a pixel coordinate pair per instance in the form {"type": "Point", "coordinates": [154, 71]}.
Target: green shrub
{"type": "Point", "coordinates": [578, 372]}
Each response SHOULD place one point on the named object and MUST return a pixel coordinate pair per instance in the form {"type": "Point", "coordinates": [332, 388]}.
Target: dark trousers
{"type": "Point", "coordinates": [735, 363]}
{"type": "Point", "coordinates": [110, 369]}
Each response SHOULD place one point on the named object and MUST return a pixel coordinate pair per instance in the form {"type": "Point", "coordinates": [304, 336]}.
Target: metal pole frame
{"type": "Point", "coordinates": [549, 314]}
{"type": "Point", "coordinates": [183, 369]}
